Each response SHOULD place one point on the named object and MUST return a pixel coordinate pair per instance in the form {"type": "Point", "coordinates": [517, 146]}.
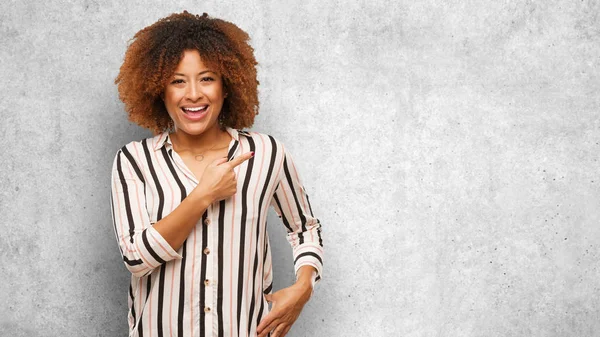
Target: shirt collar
{"type": "Point", "coordinates": [162, 139]}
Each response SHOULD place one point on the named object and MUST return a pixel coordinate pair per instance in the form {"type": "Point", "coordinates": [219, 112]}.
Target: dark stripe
{"type": "Point", "coordinates": [148, 287]}
{"type": "Point", "coordinates": [312, 215]}
{"type": "Point", "coordinates": [268, 290]}
{"type": "Point", "coordinates": [306, 254]}
{"type": "Point", "coordinates": [262, 303]}
{"type": "Point", "coordinates": [293, 189]}
{"type": "Point", "coordinates": [309, 207]}
{"type": "Point", "coordinates": [183, 193]}
{"type": "Point", "coordinates": [126, 199]}
{"type": "Point", "coordinates": [232, 150]}
{"type": "Point", "coordinates": [266, 244]}
{"type": "Point", "coordinates": [203, 275]}
{"type": "Point", "coordinates": [159, 190]}
{"type": "Point", "coordinates": [174, 173]}
{"type": "Point", "coordinates": [149, 248]}
{"type": "Point", "coordinates": [283, 218]}
{"type": "Point", "coordinates": [181, 292]}
{"type": "Point", "coordinates": [319, 234]}
{"type": "Point", "coordinates": [133, 163]}
{"type": "Point", "coordinates": [132, 262]}
{"type": "Point", "coordinates": [317, 278]}
{"type": "Point", "coordinates": [161, 295]}
{"type": "Point", "coordinates": [140, 330]}
{"type": "Point", "coordinates": [258, 230]}
{"type": "Point", "coordinates": [132, 302]}
{"type": "Point", "coordinates": [220, 268]}
{"type": "Point", "coordinates": [242, 247]}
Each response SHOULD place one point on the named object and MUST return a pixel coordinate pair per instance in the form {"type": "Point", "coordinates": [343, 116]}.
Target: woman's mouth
{"type": "Point", "coordinates": [195, 112]}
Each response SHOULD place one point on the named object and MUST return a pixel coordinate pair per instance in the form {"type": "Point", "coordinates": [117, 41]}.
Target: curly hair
{"type": "Point", "coordinates": [155, 52]}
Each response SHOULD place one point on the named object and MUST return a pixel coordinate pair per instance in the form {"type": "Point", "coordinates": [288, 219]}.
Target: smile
{"type": "Point", "coordinates": [195, 113]}
{"type": "Point", "coordinates": [201, 108]}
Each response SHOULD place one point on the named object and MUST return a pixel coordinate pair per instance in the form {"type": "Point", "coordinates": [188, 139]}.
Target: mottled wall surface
{"type": "Point", "coordinates": [450, 150]}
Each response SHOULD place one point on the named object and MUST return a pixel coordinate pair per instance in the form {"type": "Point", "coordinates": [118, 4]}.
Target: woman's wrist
{"type": "Point", "coordinates": [201, 198]}
{"type": "Point", "coordinates": [305, 277]}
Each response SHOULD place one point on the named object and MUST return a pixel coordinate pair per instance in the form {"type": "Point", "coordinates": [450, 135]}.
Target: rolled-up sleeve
{"type": "Point", "coordinates": [291, 203]}
{"type": "Point", "coordinates": [142, 247]}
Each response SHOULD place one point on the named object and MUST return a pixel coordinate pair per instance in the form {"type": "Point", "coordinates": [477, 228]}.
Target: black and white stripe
{"type": "Point", "coordinates": [167, 295]}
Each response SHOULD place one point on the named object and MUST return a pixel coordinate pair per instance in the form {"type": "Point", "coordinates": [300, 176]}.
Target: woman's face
{"type": "Point", "coordinates": [194, 95]}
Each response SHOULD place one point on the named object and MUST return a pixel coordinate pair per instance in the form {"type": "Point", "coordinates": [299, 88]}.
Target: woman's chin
{"type": "Point", "coordinates": [196, 129]}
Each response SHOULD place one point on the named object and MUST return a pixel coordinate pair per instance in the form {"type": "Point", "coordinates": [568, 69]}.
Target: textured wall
{"type": "Point", "coordinates": [450, 150]}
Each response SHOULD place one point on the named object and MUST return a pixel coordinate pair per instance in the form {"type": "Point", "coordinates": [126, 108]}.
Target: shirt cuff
{"type": "Point", "coordinates": [158, 247]}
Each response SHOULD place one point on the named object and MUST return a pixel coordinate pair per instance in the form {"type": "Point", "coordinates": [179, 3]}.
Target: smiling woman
{"type": "Point", "coordinates": [194, 96]}
{"type": "Point", "coordinates": [189, 204]}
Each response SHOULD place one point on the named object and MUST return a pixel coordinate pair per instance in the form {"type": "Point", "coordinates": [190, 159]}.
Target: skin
{"type": "Point", "coordinates": [193, 84]}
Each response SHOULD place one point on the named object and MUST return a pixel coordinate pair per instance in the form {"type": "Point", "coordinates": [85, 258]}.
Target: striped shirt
{"type": "Point", "coordinates": [214, 285]}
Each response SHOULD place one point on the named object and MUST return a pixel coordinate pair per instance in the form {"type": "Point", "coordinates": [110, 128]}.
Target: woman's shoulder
{"type": "Point", "coordinates": [135, 149]}
{"type": "Point", "coordinates": [262, 138]}
{"type": "Point", "coordinates": [149, 143]}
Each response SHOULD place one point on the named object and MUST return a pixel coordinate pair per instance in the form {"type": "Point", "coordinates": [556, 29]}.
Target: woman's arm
{"type": "Point", "coordinates": [218, 182]}
{"type": "Point", "coordinates": [304, 235]}
{"type": "Point", "coordinates": [291, 203]}
{"type": "Point", "coordinates": [144, 246]}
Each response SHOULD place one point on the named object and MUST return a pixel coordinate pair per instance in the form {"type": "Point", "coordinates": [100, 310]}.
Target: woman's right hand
{"type": "Point", "coordinates": [218, 181]}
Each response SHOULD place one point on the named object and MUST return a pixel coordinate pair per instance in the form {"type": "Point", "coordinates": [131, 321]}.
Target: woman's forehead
{"type": "Point", "coordinates": [191, 61]}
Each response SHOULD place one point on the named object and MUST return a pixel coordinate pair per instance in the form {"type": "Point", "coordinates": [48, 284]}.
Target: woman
{"type": "Point", "coordinates": [190, 204]}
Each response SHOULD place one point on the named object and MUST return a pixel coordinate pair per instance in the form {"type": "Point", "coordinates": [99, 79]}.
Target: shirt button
{"type": "Point", "coordinates": [206, 251]}
{"type": "Point", "coordinates": [207, 221]}
{"type": "Point", "coordinates": [206, 282]}
{"type": "Point", "coordinates": [206, 309]}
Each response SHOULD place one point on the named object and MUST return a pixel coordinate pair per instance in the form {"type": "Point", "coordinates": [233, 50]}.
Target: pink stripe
{"type": "Point", "coordinates": [192, 286]}
{"type": "Point", "coordinates": [159, 141]}
{"type": "Point", "coordinates": [120, 235]}
{"type": "Point", "coordinates": [302, 248]}
{"type": "Point", "coordinates": [136, 243]}
{"type": "Point", "coordinates": [171, 300]}
{"type": "Point", "coordinates": [287, 202]}
{"type": "Point", "coordinates": [162, 247]}
{"type": "Point", "coordinates": [150, 307]}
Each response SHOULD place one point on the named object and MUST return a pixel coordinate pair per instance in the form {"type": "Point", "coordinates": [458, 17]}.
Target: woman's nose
{"type": "Point", "coordinates": [194, 92]}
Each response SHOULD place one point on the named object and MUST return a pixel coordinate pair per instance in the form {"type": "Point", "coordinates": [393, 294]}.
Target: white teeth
{"type": "Point", "coordinates": [195, 109]}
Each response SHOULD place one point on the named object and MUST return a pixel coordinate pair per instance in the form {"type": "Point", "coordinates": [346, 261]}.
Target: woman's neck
{"type": "Point", "coordinates": [198, 143]}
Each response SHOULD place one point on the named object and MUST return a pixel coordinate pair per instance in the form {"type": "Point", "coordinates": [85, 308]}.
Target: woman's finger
{"type": "Point", "coordinates": [240, 159]}
{"type": "Point", "coordinates": [287, 329]}
{"type": "Point", "coordinates": [219, 161]}
{"type": "Point", "coordinates": [269, 328]}
{"type": "Point", "coordinates": [279, 330]}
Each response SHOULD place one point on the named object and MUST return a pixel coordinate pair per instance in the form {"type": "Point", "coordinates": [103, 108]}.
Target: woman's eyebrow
{"type": "Point", "coordinates": [200, 73]}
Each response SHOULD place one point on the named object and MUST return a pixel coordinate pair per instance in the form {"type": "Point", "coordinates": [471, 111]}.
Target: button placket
{"type": "Point", "coordinates": [208, 293]}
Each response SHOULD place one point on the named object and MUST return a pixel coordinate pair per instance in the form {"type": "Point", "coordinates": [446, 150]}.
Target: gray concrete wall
{"type": "Point", "coordinates": [450, 150]}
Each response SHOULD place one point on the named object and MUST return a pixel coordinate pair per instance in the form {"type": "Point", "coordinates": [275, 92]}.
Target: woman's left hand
{"type": "Point", "coordinates": [287, 305]}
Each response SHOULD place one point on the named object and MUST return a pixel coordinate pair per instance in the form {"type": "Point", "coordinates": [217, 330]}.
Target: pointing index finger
{"type": "Point", "coordinates": [241, 158]}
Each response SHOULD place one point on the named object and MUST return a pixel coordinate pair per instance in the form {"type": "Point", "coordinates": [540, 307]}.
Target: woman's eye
{"type": "Point", "coordinates": [207, 79]}
{"type": "Point", "coordinates": [177, 81]}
